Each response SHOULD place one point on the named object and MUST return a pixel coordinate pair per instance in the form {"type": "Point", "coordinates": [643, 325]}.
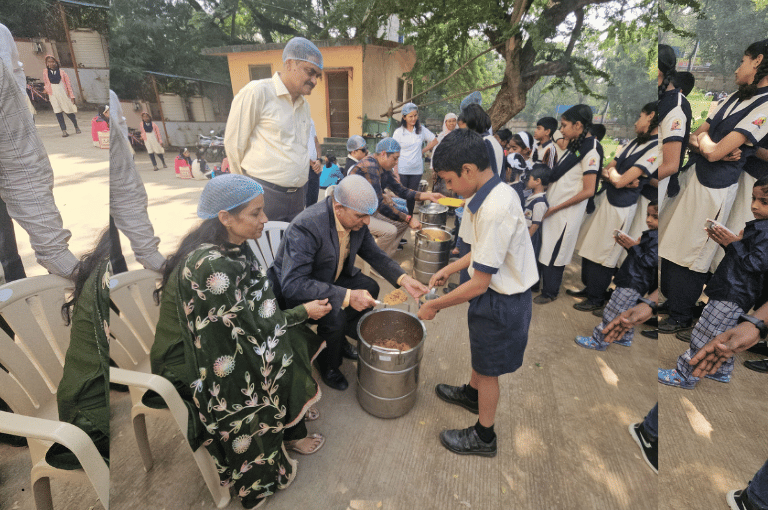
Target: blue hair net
{"type": "Point", "coordinates": [387, 145]}
{"type": "Point", "coordinates": [355, 192]}
{"type": "Point", "coordinates": [299, 48]}
{"type": "Point", "coordinates": [408, 108]}
{"type": "Point", "coordinates": [225, 192]}
{"type": "Point", "coordinates": [355, 142]}
{"type": "Point", "coordinates": [474, 98]}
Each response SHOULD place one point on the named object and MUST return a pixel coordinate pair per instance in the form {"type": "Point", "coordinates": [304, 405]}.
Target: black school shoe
{"type": "Point", "coordinates": [758, 365]}
{"type": "Point", "coordinates": [586, 306]}
{"type": "Point", "coordinates": [467, 442]}
{"type": "Point", "coordinates": [455, 395]}
{"type": "Point", "coordinates": [650, 333]}
{"type": "Point", "coordinates": [648, 445]}
{"type": "Point", "coordinates": [669, 326]}
{"type": "Point", "coordinates": [738, 500]}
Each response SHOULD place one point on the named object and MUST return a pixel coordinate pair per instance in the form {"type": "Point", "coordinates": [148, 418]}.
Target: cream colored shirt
{"type": "Point", "coordinates": [267, 134]}
{"type": "Point", "coordinates": [343, 254]}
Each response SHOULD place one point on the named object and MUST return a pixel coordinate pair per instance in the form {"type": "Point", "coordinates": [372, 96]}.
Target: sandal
{"type": "Point", "coordinates": [671, 377]}
{"type": "Point", "coordinates": [294, 445]}
{"type": "Point", "coordinates": [312, 414]}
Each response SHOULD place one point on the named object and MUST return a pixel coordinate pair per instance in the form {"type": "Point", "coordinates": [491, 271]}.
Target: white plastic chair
{"type": "Point", "coordinates": [266, 246]}
{"type": "Point", "coordinates": [134, 333]}
{"type": "Point", "coordinates": [34, 361]}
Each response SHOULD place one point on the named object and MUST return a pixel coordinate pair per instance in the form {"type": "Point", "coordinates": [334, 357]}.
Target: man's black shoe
{"type": "Point", "coordinates": [648, 445]}
{"type": "Point", "coordinates": [758, 365]}
{"type": "Point", "coordinates": [333, 378]}
{"type": "Point", "coordinates": [349, 351]}
{"type": "Point", "coordinates": [455, 395]}
{"type": "Point", "coordinates": [650, 333]}
{"type": "Point", "coordinates": [467, 442]}
{"type": "Point", "coordinates": [684, 335]}
{"type": "Point", "coordinates": [577, 293]}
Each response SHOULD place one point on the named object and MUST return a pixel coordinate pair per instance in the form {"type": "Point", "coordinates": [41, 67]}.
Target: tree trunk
{"type": "Point", "coordinates": [511, 97]}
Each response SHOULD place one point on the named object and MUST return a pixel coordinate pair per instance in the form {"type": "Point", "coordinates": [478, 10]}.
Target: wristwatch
{"type": "Point", "coordinates": [654, 306]}
{"type": "Point", "coordinates": [760, 325]}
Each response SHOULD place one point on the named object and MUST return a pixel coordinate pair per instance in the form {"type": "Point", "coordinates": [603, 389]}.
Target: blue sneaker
{"type": "Point", "coordinates": [671, 377]}
{"type": "Point", "coordinates": [625, 343]}
{"type": "Point", "coordinates": [589, 343]}
{"type": "Point", "coordinates": [719, 378]}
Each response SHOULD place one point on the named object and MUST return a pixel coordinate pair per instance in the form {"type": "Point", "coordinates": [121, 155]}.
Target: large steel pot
{"type": "Point", "coordinates": [431, 252]}
{"type": "Point", "coordinates": [387, 379]}
{"type": "Point", "coordinates": [433, 215]}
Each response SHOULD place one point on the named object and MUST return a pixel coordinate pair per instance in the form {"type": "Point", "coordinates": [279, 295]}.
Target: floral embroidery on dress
{"type": "Point", "coordinates": [267, 308]}
{"type": "Point", "coordinates": [217, 283]}
{"type": "Point", "coordinates": [224, 366]}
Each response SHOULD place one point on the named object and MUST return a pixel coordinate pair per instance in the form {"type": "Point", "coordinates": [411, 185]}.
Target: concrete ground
{"type": "Point", "coordinates": [562, 422]}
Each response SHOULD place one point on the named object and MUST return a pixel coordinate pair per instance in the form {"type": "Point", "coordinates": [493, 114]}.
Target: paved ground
{"type": "Point", "coordinates": [562, 419]}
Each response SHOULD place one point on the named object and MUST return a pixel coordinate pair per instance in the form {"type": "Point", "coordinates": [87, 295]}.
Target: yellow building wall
{"type": "Point", "coordinates": [333, 57]}
{"type": "Point", "coordinates": [381, 69]}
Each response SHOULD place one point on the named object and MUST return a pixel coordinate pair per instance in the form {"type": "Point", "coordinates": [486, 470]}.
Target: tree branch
{"type": "Point", "coordinates": [576, 32]}
{"type": "Point", "coordinates": [465, 64]}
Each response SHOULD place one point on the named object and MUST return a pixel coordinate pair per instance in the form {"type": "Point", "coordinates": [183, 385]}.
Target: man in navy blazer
{"type": "Point", "coordinates": [316, 260]}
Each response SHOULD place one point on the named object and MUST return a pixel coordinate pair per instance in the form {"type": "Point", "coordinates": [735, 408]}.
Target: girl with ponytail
{"type": "Point", "coordinates": [599, 252]}
{"type": "Point", "coordinates": [674, 123]}
{"type": "Point", "coordinates": [719, 149]}
{"type": "Point", "coordinates": [572, 183]}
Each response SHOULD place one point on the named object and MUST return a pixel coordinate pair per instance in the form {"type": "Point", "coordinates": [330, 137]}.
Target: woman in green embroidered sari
{"type": "Point", "coordinates": [242, 365]}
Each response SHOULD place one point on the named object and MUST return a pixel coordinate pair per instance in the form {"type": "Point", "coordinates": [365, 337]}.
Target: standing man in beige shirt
{"type": "Point", "coordinates": [268, 130]}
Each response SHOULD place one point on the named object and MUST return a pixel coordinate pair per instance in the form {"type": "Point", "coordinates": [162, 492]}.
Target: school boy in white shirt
{"type": "Point", "coordinates": [502, 269]}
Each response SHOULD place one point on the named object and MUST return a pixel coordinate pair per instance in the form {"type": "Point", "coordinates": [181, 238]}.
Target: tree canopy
{"type": "Point", "coordinates": [535, 38]}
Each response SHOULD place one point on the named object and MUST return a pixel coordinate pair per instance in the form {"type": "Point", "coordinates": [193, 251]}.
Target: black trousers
{"type": "Point", "coordinates": [682, 288]}
{"type": "Point", "coordinates": [339, 324]}
{"type": "Point", "coordinates": [60, 118]}
{"type": "Point", "coordinates": [597, 279]}
{"type": "Point", "coordinates": [551, 276]}
{"type": "Point", "coordinates": [313, 188]}
{"type": "Point", "coordinates": [13, 269]}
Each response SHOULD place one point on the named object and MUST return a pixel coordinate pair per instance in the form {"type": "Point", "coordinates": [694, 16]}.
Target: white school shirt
{"type": "Point", "coordinates": [494, 225]}
{"type": "Point", "coordinates": [267, 133]}
{"type": "Point", "coordinates": [411, 143]}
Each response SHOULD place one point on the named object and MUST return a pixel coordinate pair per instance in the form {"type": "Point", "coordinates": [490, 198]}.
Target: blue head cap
{"type": "Point", "coordinates": [408, 108]}
{"type": "Point", "coordinates": [299, 48]}
{"type": "Point", "coordinates": [355, 142]}
{"type": "Point", "coordinates": [355, 192]}
{"type": "Point", "coordinates": [474, 98]}
{"type": "Point", "coordinates": [388, 145]}
{"type": "Point", "coordinates": [226, 192]}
